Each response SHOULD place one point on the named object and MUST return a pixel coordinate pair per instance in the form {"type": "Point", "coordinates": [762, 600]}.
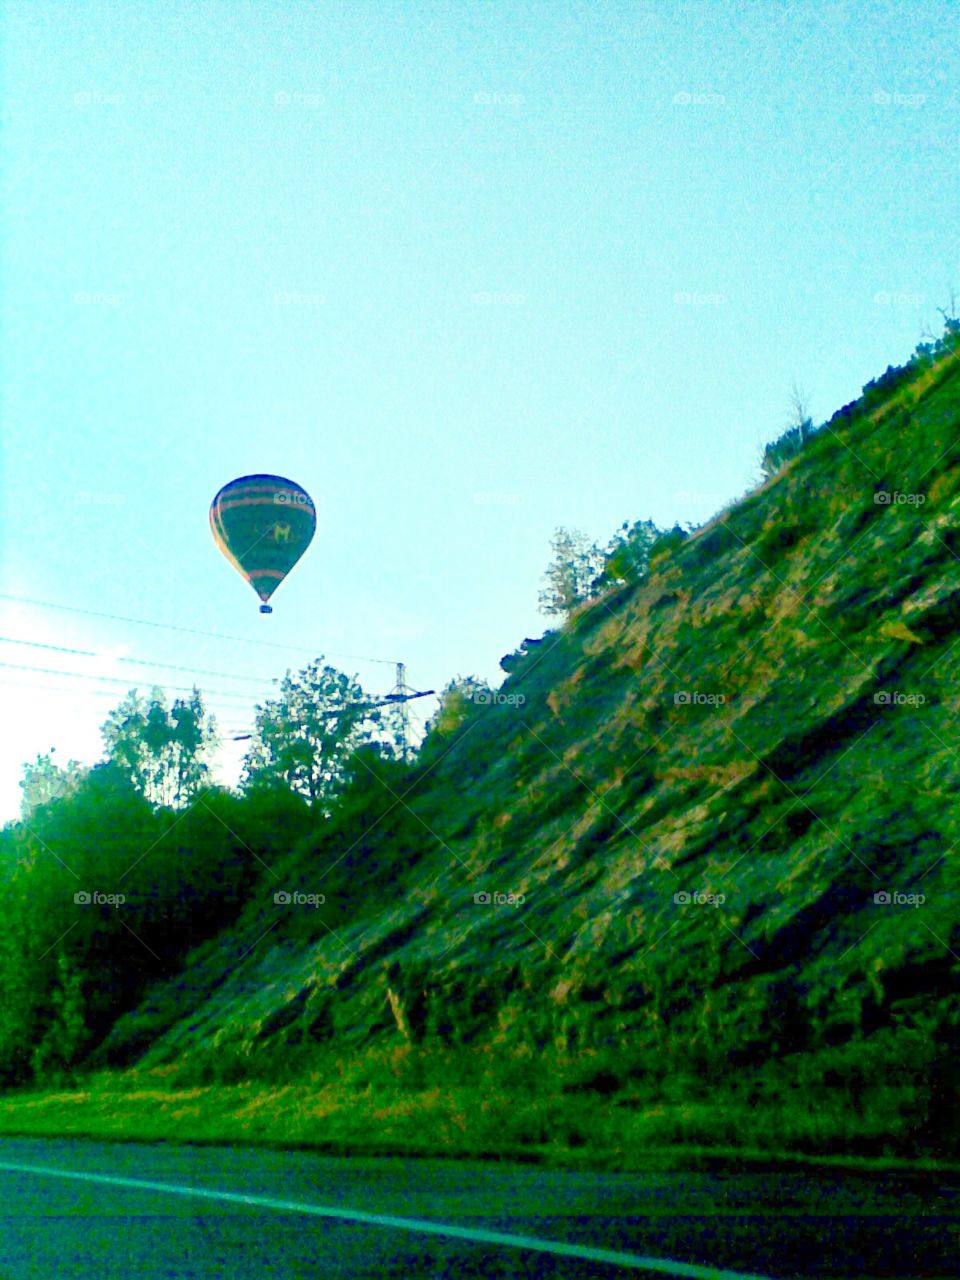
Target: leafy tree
{"type": "Point", "coordinates": [368, 772]}
{"type": "Point", "coordinates": [457, 699]}
{"type": "Point", "coordinates": [573, 572]}
{"type": "Point", "coordinates": [63, 1041]}
{"type": "Point", "coordinates": [163, 752]}
{"type": "Point", "coordinates": [628, 553]}
{"type": "Point", "coordinates": [123, 735]}
{"type": "Point", "coordinates": [44, 781]}
{"type": "Point", "coordinates": [69, 965]}
{"type": "Point", "coordinates": [304, 737]}
{"type": "Point", "coordinates": [23, 976]}
{"type": "Point", "coordinates": [192, 740]}
{"type": "Point", "coordinates": [779, 451]}
{"type": "Point", "coordinates": [580, 570]}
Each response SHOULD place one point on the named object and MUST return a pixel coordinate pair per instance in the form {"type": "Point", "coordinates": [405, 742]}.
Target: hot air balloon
{"type": "Point", "coordinates": [263, 525]}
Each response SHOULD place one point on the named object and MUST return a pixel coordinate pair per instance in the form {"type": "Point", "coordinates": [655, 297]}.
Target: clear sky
{"type": "Point", "coordinates": [465, 271]}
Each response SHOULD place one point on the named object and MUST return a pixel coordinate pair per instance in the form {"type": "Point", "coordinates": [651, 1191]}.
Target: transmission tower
{"type": "Point", "coordinates": [400, 692]}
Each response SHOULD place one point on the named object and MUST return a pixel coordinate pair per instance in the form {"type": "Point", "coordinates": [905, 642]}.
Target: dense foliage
{"type": "Point", "coordinates": [114, 873]}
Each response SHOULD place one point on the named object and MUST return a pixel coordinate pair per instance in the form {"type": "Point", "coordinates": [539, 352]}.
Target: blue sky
{"type": "Point", "coordinates": [464, 271]}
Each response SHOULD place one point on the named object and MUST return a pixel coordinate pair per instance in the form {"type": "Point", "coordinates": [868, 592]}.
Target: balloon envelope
{"type": "Point", "coordinates": [263, 524]}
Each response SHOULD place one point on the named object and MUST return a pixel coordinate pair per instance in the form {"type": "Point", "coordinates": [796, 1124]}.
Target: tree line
{"type": "Point", "coordinates": [115, 871]}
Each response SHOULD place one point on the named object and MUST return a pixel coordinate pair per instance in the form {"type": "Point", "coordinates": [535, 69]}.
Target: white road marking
{"type": "Point", "coordinates": [559, 1248]}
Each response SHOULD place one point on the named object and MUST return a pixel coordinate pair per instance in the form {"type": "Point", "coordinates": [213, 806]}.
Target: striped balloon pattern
{"type": "Point", "coordinates": [263, 525]}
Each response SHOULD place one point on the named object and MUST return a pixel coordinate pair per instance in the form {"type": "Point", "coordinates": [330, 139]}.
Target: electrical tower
{"type": "Point", "coordinates": [399, 693]}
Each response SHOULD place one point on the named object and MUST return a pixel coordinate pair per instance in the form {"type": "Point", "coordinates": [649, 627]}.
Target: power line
{"type": "Point", "coordinates": [401, 694]}
{"type": "Point", "coordinates": [227, 711]}
{"type": "Point", "coordinates": [391, 701]}
{"type": "Point", "coordinates": [56, 688]}
{"type": "Point", "coordinates": [193, 631]}
{"type": "Point", "coordinates": [142, 662]}
{"type": "Point", "coordinates": [86, 675]}
{"type": "Point", "coordinates": [225, 675]}
{"type": "Point", "coordinates": [35, 644]}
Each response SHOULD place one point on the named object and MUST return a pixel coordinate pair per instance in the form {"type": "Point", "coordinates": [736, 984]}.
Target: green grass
{"type": "Point", "coordinates": [408, 1102]}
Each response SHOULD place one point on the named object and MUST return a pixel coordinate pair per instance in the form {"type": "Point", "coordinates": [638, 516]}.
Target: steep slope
{"type": "Point", "coordinates": [725, 796]}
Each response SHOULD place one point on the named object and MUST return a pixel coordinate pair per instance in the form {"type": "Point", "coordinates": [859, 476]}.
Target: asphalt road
{"type": "Point", "coordinates": [94, 1210]}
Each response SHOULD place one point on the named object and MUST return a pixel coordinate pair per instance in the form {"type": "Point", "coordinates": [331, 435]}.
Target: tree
{"type": "Point", "coordinates": [23, 977]}
{"type": "Point", "coordinates": [43, 781]}
{"type": "Point", "coordinates": [123, 734]}
{"type": "Point", "coordinates": [192, 740]}
{"type": "Point", "coordinates": [457, 699]}
{"type": "Point", "coordinates": [163, 752]}
{"type": "Point", "coordinates": [305, 737]}
{"type": "Point", "coordinates": [62, 1043]}
{"type": "Point", "coordinates": [951, 312]}
{"type": "Point", "coordinates": [572, 575]}
{"type": "Point", "coordinates": [628, 553]}
{"type": "Point", "coordinates": [789, 443]}
{"type": "Point", "coordinates": [800, 412]}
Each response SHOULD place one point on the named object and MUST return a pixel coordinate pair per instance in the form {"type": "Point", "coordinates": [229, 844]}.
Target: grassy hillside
{"type": "Point", "coordinates": [718, 808]}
